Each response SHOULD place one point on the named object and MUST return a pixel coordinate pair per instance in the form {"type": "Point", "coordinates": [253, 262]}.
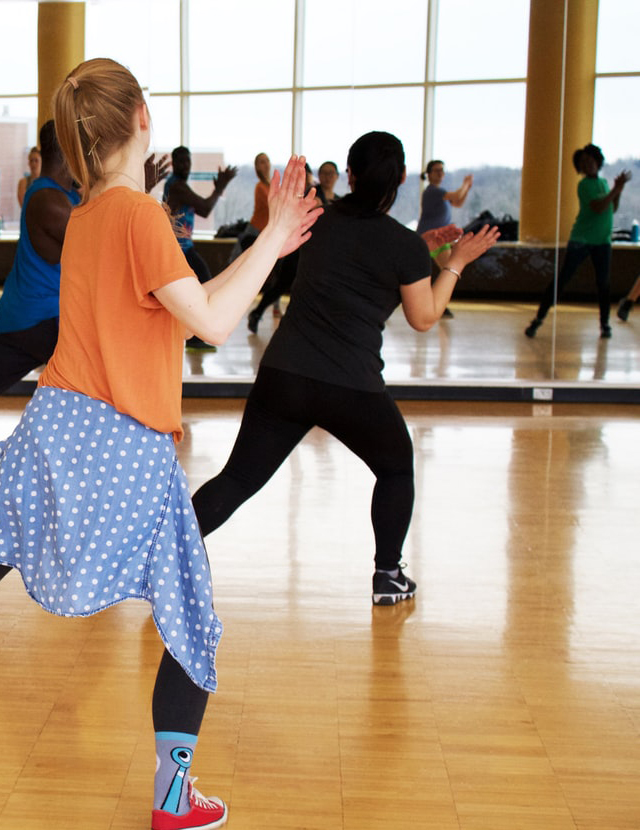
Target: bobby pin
{"type": "Point", "coordinates": [93, 146]}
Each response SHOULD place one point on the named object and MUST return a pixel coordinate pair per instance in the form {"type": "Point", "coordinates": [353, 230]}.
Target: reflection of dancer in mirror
{"type": "Point", "coordinates": [260, 215]}
{"type": "Point", "coordinates": [184, 203]}
{"type": "Point", "coordinates": [436, 206]}
{"type": "Point", "coordinates": [101, 428]}
{"type": "Point", "coordinates": [35, 165]}
{"type": "Point", "coordinates": [29, 305]}
{"type": "Point", "coordinates": [281, 279]}
{"type": "Point", "coordinates": [590, 236]}
{"type": "Point", "coordinates": [626, 303]}
{"type": "Point", "coordinates": [323, 366]}
{"type": "Point", "coordinates": [328, 175]}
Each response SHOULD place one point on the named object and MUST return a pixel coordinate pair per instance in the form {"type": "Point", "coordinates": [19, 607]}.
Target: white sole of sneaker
{"type": "Point", "coordinates": [391, 599]}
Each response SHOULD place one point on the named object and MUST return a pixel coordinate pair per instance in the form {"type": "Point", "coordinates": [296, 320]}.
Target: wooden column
{"type": "Point", "coordinates": [60, 48]}
{"type": "Point", "coordinates": [559, 116]}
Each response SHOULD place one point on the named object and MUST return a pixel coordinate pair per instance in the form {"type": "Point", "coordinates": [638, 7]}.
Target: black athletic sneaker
{"type": "Point", "coordinates": [252, 321]}
{"type": "Point", "coordinates": [624, 308]}
{"type": "Point", "coordinates": [533, 327]}
{"type": "Point", "coordinates": [196, 344]}
{"type": "Point", "coordinates": [388, 590]}
{"type": "Point", "coordinates": [605, 332]}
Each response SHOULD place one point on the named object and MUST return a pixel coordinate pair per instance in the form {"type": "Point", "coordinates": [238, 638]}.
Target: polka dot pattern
{"type": "Point", "coordinates": [95, 509]}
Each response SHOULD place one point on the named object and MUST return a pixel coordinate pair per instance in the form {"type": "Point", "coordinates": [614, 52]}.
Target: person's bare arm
{"type": "Point", "coordinates": [613, 196]}
{"type": "Point", "coordinates": [47, 215]}
{"type": "Point", "coordinates": [212, 311]}
{"type": "Point", "coordinates": [181, 194]}
{"type": "Point", "coordinates": [458, 197]}
{"type": "Point", "coordinates": [423, 302]}
{"type": "Point", "coordinates": [22, 189]}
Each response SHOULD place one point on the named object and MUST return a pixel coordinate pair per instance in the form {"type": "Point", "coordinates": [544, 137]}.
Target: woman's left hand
{"type": "Point", "coordinates": [473, 245]}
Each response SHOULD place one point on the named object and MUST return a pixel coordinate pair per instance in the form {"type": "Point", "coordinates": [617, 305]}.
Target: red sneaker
{"type": "Point", "coordinates": [205, 814]}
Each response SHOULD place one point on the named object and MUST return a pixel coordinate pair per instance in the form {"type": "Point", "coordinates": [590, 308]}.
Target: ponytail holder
{"type": "Point", "coordinates": [73, 81]}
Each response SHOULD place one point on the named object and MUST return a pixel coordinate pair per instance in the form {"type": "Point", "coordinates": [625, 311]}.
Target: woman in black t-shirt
{"type": "Point", "coordinates": [323, 365]}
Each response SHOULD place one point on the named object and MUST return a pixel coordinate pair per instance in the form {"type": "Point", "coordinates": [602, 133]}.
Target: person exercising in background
{"type": "Point", "coordinates": [35, 166]}
{"type": "Point", "coordinates": [29, 305]}
{"type": "Point", "coordinates": [184, 203]}
{"type": "Point", "coordinates": [323, 365]}
{"type": "Point", "coordinates": [590, 236]}
{"type": "Point", "coordinates": [436, 204]}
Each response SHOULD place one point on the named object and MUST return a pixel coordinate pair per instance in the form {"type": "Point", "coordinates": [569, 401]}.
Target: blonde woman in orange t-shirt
{"type": "Point", "coordinates": [103, 511]}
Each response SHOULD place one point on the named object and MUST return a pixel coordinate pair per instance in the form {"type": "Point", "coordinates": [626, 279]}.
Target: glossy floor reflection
{"type": "Point", "coordinates": [506, 695]}
{"type": "Point", "coordinates": [483, 342]}
{"type": "Point", "coordinates": [483, 345]}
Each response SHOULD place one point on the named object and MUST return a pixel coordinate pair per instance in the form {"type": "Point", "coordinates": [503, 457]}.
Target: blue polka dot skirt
{"type": "Point", "coordinates": [95, 509]}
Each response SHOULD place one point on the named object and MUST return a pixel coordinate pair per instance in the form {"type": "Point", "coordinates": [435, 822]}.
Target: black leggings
{"type": "Point", "coordinates": [23, 351]}
{"type": "Point", "coordinates": [279, 282]}
{"type": "Point", "coordinates": [282, 407]}
{"type": "Point", "coordinates": [574, 257]}
{"type": "Point", "coordinates": [198, 264]}
{"type": "Point", "coordinates": [178, 704]}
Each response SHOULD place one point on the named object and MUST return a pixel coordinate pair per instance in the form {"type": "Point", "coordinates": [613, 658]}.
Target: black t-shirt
{"type": "Point", "coordinates": [347, 285]}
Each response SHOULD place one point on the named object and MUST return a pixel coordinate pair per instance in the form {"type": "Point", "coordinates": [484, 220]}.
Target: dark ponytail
{"type": "Point", "coordinates": [376, 162]}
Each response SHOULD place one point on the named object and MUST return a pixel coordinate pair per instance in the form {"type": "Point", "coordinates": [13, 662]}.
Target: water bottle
{"type": "Point", "coordinates": [635, 231]}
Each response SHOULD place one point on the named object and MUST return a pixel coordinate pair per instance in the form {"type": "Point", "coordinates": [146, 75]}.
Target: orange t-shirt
{"type": "Point", "coordinates": [260, 206]}
{"type": "Point", "coordinates": [117, 343]}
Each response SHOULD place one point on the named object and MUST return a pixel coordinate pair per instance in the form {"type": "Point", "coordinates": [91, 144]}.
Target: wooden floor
{"type": "Point", "coordinates": [481, 353]}
{"type": "Point", "coordinates": [483, 344]}
{"type": "Point", "coordinates": [506, 696]}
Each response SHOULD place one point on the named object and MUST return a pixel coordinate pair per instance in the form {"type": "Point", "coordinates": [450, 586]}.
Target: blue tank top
{"type": "Point", "coordinates": [184, 216]}
{"type": "Point", "coordinates": [31, 291]}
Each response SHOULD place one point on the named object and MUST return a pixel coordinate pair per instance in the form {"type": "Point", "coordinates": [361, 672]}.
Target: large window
{"type": "Point", "coordinates": [233, 79]}
{"type": "Point", "coordinates": [616, 126]}
{"type": "Point", "coordinates": [18, 102]}
{"type": "Point", "coordinates": [310, 76]}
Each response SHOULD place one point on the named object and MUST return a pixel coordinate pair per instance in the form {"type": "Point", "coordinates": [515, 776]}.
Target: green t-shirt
{"type": "Point", "coordinates": [592, 228]}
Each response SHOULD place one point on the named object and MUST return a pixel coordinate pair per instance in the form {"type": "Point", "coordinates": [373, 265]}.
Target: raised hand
{"type": "Point", "coordinates": [290, 210]}
{"type": "Point", "coordinates": [622, 178]}
{"type": "Point", "coordinates": [155, 171]}
{"type": "Point", "coordinates": [224, 177]}
{"type": "Point", "coordinates": [473, 245]}
{"type": "Point", "coordinates": [437, 237]}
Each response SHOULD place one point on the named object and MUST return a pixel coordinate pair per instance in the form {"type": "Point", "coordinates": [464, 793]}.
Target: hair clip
{"type": "Point", "coordinates": [93, 146]}
{"type": "Point", "coordinates": [84, 118]}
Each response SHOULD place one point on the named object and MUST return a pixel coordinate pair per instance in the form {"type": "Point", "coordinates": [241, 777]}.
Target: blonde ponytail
{"type": "Point", "coordinates": [94, 110]}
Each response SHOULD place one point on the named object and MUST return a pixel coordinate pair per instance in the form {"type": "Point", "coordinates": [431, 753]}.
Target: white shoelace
{"type": "Point", "coordinates": [200, 800]}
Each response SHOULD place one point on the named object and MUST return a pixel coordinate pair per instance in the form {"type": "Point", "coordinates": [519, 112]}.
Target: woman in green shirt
{"type": "Point", "coordinates": [590, 235]}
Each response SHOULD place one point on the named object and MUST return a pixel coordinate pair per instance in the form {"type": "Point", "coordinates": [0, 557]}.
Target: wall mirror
{"type": "Point", "coordinates": [449, 77]}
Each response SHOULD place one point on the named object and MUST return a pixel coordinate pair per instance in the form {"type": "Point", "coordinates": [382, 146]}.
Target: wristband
{"type": "Point", "coordinates": [453, 271]}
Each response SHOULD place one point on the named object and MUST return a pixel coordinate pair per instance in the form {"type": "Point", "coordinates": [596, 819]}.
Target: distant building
{"type": "Point", "coordinates": [14, 150]}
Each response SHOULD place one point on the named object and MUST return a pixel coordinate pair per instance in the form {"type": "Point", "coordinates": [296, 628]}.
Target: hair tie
{"type": "Point", "coordinates": [72, 81]}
